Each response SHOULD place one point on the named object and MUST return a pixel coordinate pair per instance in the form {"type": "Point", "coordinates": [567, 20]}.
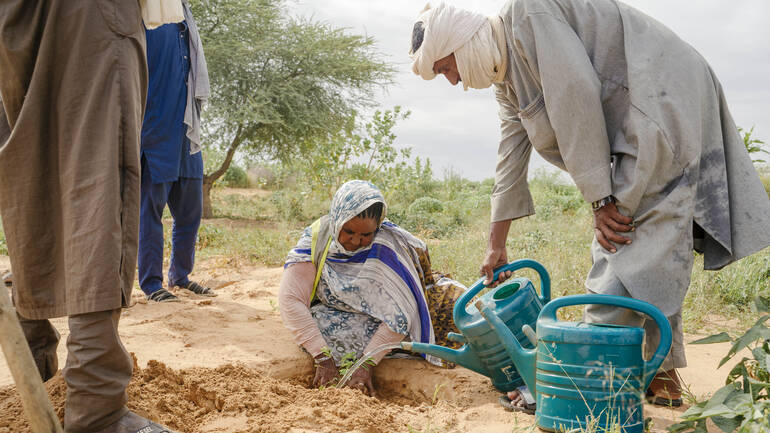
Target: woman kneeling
{"type": "Point", "coordinates": [356, 281]}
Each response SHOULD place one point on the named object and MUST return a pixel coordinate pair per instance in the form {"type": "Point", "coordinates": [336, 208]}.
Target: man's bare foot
{"type": "Point", "coordinates": [516, 398]}
{"type": "Point", "coordinates": [515, 401]}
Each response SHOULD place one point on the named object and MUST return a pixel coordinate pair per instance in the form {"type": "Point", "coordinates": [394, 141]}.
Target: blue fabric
{"type": "Point", "coordinates": [165, 145]}
{"type": "Point", "coordinates": [185, 201]}
{"type": "Point", "coordinates": [388, 256]}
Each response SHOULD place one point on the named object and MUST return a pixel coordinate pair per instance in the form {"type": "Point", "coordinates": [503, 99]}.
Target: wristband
{"type": "Point", "coordinates": [318, 361]}
{"type": "Point", "coordinates": [598, 204]}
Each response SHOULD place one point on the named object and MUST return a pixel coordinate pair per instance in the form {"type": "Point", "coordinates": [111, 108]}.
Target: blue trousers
{"type": "Point", "coordinates": [185, 201]}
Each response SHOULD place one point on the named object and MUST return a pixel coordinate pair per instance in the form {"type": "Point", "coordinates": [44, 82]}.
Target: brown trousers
{"type": "Point", "coordinates": [73, 81]}
{"type": "Point", "coordinates": [97, 372]}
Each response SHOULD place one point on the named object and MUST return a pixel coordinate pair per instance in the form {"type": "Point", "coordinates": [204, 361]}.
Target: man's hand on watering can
{"type": "Point", "coordinates": [608, 221]}
{"type": "Point", "coordinates": [496, 254]}
{"type": "Point", "coordinates": [361, 380]}
{"type": "Point", "coordinates": [325, 370]}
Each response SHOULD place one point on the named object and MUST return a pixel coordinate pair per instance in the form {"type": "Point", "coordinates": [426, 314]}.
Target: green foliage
{"type": "Point", "coordinates": [235, 177]}
{"type": "Point", "coordinates": [743, 404]}
{"type": "Point", "coordinates": [209, 236]}
{"type": "Point", "coordinates": [363, 149]}
{"type": "Point", "coordinates": [426, 205]}
{"type": "Point", "coordinates": [278, 83]}
{"type": "Point", "coordinates": [289, 204]}
{"type": "Point", "coordinates": [556, 195]}
{"type": "Point", "coordinates": [346, 363]}
{"type": "Point", "coordinates": [238, 206]}
{"type": "Point", "coordinates": [764, 175]}
{"type": "Point", "coordinates": [3, 243]}
{"type": "Point", "coordinates": [753, 145]}
{"type": "Point", "coordinates": [733, 286]}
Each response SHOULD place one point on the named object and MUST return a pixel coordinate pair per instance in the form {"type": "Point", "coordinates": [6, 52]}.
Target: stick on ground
{"type": "Point", "coordinates": [34, 397]}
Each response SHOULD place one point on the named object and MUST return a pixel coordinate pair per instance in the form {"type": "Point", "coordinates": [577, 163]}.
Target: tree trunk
{"type": "Point", "coordinates": [209, 179]}
{"type": "Point", "coordinates": [208, 209]}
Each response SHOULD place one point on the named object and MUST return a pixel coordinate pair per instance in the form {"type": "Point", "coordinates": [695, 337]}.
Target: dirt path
{"type": "Point", "coordinates": [228, 366]}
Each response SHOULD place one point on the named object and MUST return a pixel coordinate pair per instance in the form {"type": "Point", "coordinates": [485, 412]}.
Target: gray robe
{"type": "Point", "coordinates": [73, 80]}
{"type": "Point", "coordinates": [628, 109]}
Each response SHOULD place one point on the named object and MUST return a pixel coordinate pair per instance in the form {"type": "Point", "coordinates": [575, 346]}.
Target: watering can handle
{"type": "Point", "coordinates": [651, 366]}
{"type": "Point", "coordinates": [545, 284]}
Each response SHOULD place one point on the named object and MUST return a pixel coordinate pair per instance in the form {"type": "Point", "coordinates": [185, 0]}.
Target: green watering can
{"type": "Point", "coordinates": [516, 303]}
{"type": "Point", "coordinates": [586, 373]}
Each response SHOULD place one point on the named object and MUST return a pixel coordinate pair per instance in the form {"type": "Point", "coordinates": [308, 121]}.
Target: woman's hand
{"type": "Point", "coordinates": [607, 222]}
{"type": "Point", "coordinates": [362, 380]}
{"type": "Point", "coordinates": [325, 371]}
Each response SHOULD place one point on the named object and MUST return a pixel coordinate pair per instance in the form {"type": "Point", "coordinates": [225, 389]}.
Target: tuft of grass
{"type": "Point", "coordinates": [3, 243]}
{"type": "Point", "coordinates": [429, 428]}
{"type": "Point", "coordinates": [764, 175]}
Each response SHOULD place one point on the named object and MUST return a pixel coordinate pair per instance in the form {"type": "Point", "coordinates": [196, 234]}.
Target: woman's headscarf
{"type": "Point", "coordinates": [352, 198]}
{"type": "Point", "coordinates": [477, 41]}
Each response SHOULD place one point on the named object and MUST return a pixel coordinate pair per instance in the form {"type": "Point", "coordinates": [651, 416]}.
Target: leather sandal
{"type": "Point", "coordinates": [162, 295]}
{"type": "Point", "coordinates": [665, 389]}
{"type": "Point", "coordinates": [200, 289]}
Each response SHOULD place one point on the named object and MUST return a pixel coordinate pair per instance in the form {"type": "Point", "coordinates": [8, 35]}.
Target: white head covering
{"type": "Point", "coordinates": [477, 41]}
{"type": "Point", "coordinates": [155, 13]}
{"type": "Point", "coordinates": [352, 198]}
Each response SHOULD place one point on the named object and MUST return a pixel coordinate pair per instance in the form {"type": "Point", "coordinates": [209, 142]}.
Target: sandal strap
{"type": "Point", "coordinates": [198, 289]}
{"type": "Point", "coordinates": [162, 295]}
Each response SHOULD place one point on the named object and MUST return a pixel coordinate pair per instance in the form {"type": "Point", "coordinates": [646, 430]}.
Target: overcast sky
{"type": "Point", "coordinates": [459, 130]}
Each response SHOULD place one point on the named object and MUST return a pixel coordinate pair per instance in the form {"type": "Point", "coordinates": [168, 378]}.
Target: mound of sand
{"type": "Point", "coordinates": [232, 398]}
{"type": "Point", "coordinates": [234, 368]}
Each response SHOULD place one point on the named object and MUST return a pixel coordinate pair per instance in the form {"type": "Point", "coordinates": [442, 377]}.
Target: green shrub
{"type": "Point", "coordinates": [209, 236]}
{"type": "Point", "coordinates": [766, 182]}
{"type": "Point", "coordinates": [554, 196]}
{"type": "Point", "coordinates": [237, 206]}
{"type": "Point", "coordinates": [427, 205]}
{"type": "Point", "coordinates": [289, 204]}
{"type": "Point", "coordinates": [235, 177]}
{"type": "Point", "coordinates": [743, 404]}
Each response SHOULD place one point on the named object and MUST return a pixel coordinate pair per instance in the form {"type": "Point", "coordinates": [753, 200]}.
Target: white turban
{"type": "Point", "coordinates": [477, 41]}
{"type": "Point", "coordinates": [155, 13]}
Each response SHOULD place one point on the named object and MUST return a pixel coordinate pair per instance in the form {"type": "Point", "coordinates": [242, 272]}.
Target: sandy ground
{"type": "Point", "coordinates": [227, 365]}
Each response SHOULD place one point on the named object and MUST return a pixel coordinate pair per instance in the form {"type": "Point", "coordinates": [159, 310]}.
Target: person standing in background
{"type": "Point", "coordinates": [172, 165]}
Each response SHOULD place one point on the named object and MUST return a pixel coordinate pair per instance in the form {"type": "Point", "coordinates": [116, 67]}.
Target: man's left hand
{"type": "Point", "coordinates": [608, 221]}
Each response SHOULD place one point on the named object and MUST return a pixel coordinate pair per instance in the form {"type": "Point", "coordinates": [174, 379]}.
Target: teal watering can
{"type": "Point", "coordinates": [516, 303]}
{"type": "Point", "coordinates": [586, 373]}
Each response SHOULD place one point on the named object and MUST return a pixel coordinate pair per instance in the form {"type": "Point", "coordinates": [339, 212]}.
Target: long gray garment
{"type": "Point", "coordinates": [198, 87]}
{"type": "Point", "coordinates": [73, 80]}
{"type": "Point", "coordinates": [630, 110]}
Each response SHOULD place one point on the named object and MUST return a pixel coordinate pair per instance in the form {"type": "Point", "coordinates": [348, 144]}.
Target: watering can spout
{"type": "Point", "coordinates": [524, 359]}
{"type": "Point", "coordinates": [464, 356]}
